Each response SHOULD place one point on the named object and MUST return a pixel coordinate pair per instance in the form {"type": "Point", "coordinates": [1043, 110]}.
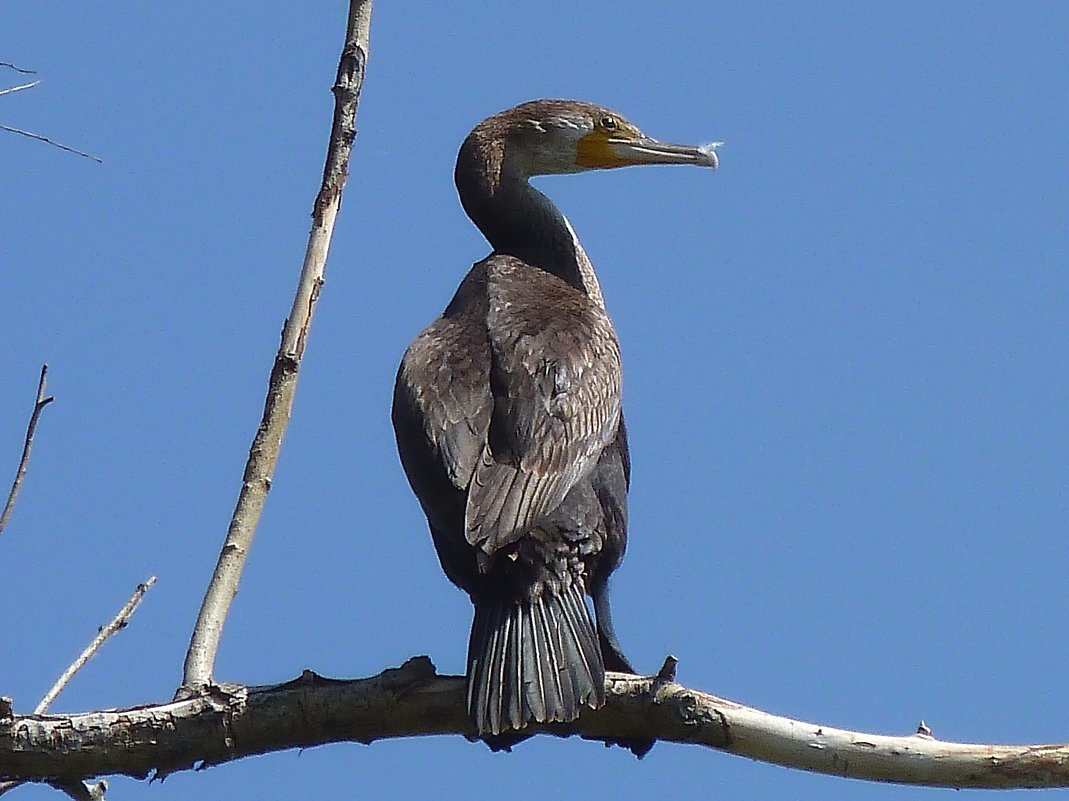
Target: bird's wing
{"type": "Point", "coordinates": [442, 400]}
{"type": "Point", "coordinates": [555, 382]}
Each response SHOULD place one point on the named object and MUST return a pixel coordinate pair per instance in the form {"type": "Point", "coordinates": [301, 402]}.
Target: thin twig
{"type": "Point", "coordinates": [14, 89]}
{"type": "Point", "coordinates": [80, 790]}
{"type": "Point", "coordinates": [52, 142]}
{"type": "Point", "coordinates": [118, 622]}
{"type": "Point", "coordinates": [11, 66]}
{"type": "Point", "coordinates": [27, 446]}
{"type": "Point", "coordinates": [38, 136]}
{"type": "Point", "coordinates": [282, 385]}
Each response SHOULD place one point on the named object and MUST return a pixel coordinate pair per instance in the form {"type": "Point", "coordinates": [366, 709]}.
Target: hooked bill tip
{"type": "Point", "coordinates": [709, 152]}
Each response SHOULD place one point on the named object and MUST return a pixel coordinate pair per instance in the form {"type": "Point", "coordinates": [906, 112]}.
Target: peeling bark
{"type": "Point", "coordinates": [232, 721]}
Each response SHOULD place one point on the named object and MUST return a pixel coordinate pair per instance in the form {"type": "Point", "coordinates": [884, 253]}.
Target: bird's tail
{"type": "Point", "coordinates": [536, 660]}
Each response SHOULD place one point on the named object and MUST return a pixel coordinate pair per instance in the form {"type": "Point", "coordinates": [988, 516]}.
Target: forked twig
{"type": "Point", "coordinates": [27, 446]}
{"type": "Point", "coordinates": [282, 385]}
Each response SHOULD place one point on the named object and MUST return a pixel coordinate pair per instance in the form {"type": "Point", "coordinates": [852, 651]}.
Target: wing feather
{"type": "Point", "coordinates": [442, 400]}
{"type": "Point", "coordinates": [555, 384]}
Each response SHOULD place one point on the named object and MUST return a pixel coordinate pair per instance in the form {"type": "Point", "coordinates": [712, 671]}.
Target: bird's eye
{"type": "Point", "coordinates": [608, 123]}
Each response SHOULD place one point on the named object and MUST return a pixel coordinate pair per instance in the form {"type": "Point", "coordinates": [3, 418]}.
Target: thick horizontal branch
{"type": "Point", "coordinates": [234, 721]}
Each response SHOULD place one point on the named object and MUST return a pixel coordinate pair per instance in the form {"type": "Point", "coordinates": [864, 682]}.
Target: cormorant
{"type": "Point", "coordinates": [508, 422]}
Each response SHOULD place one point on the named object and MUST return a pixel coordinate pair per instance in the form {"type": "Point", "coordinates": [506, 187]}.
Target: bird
{"type": "Point", "coordinates": [507, 416]}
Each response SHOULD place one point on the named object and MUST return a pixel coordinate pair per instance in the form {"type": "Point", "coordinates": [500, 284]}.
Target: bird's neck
{"type": "Point", "coordinates": [520, 221]}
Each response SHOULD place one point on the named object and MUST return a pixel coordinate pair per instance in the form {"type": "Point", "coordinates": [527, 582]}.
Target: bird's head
{"type": "Point", "coordinates": [549, 137]}
{"type": "Point", "coordinates": [555, 137]}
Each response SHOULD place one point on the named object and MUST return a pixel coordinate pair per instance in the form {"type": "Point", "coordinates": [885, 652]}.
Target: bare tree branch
{"type": "Point", "coordinates": [27, 446]}
{"type": "Point", "coordinates": [52, 142]}
{"type": "Point", "coordinates": [117, 624]}
{"type": "Point", "coordinates": [79, 789]}
{"type": "Point", "coordinates": [282, 386]}
{"type": "Point", "coordinates": [235, 721]}
{"type": "Point", "coordinates": [38, 136]}
{"type": "Point", "coordinates": [14, 89]}
{"type": "Point", "coordinates": [11, 66]}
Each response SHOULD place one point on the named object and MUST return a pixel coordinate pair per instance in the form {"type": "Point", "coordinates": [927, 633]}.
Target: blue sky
{"type": "Point", "coordinates": [846, 369]}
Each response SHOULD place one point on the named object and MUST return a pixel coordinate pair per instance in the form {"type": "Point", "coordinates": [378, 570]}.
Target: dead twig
{"type": "Point", "coordinates": [14, 89]}
{"type": "Point", "coordinates": [37, 136]}
{"type": "Point", "coordinates": [11, 66]}
{"type": "Point", "coordinates": [282, 385]}
{"type": "Point", "coordinates": [118, 622]}
{"type": "Point", "coordinates": [52, 142]}
{"type": "Point", "coordinates": [27, 446]}
{"type": "Point", "coordinates": [81, 790]}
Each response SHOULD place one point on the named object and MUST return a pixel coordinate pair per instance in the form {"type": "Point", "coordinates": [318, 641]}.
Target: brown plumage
{"type": "Point", "coordinates": [508, 421]}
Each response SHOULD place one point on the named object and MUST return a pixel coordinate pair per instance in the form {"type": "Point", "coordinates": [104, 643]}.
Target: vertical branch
{"type": "Point", "coordinates": [27, 446]}
{"type": "Point", "coordinates": [263, 455]}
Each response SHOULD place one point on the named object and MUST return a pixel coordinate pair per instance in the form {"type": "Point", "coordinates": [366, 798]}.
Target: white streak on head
{"type": "Point", "coordinates": [568, 122]}
{"type": "Point", "coordinates": [551, 151]}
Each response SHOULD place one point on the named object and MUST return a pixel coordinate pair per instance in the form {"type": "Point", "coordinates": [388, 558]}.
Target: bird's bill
{"type": "Point", "coordinates": [600, 152]}
{"type": "Point", "coordinates": [653, 151]}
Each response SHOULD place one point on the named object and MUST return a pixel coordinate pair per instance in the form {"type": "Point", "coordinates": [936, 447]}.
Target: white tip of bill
{"type": "Point", "coordinates": [709, 151]}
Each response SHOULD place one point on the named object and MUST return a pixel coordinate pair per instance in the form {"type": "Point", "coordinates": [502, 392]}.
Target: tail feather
{"type": "Point", "coordinates": [535, 661]}
{"type": "Point", "coordinates": [555, 693]}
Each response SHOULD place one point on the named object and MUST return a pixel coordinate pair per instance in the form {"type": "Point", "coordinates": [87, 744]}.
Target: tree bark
{"type": "Point", "coordinates": [234, 721]}
{"type": "Point", "coordinates": [282, 385]}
